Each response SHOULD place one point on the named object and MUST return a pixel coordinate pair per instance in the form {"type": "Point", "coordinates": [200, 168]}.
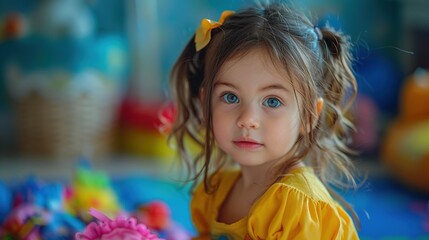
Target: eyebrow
{"type": "Point", "coordinates": [276, 86]}
{"type": "Point", "coordinates": [269, 87]}
{"type": "Point", "coordinates": [225, 84]}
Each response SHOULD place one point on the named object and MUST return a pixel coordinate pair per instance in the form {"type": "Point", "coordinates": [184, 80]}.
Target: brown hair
{"type": "Point", "coordinates": [318, 60]}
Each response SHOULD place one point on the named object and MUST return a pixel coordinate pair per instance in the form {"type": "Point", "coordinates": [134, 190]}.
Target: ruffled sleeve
{"type": "Point", "coordinates": [200, 212]}
{"type": "Point", "coordinates": [287, 213]}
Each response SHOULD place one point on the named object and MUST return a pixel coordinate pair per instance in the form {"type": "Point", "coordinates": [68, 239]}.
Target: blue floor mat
{"type": "Point", "coordinates": [135, 190]}
{"type": "Point", "coordinates": [387, 210]}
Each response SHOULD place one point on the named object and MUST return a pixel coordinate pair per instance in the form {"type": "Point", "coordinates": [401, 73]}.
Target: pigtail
{"type": "Point", "coordinates": [336, 50]}
{"type": "Point", "coordinates": [339, 91]}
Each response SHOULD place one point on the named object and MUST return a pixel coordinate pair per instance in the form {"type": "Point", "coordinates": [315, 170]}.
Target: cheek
{"type": "Point", "coordinates": [220, 124]}
{"type": "Point", "coordinates": [221, 133]}
{"type": "Point", "coordinates": [283, 130]}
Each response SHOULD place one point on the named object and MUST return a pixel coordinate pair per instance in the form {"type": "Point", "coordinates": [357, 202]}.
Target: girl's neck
{"type": "Point", "coordinates": [262, 175]}
{"type": "Point", "coordinates": [252, 177]}
{"type": "Point", "coordinates": [253, 183]}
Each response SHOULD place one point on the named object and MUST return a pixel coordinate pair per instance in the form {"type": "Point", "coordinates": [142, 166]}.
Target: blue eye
{"type": "Point", "coordinates": [272, 102]}
{"type": "Point", "coordinates": [230, 98]}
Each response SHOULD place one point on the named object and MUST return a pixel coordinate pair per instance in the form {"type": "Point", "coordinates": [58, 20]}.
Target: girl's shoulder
{"type": "Point", "coordinates": [303, 181]}
{"type": "Point", "coordinates": [299, 206]}
{"type": "Point", "coordinates": [296, 190]}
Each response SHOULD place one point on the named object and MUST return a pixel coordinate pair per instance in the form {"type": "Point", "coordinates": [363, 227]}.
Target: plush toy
{"type": "Point", "coordinates": [119, 228]}
{"type": "Point", "coordinates": [406, 146]}
{"type": "Point", "coordinates": [91, 189]}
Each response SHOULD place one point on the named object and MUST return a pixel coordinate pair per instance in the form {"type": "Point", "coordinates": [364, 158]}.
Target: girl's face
{"type": "Point", "coordinates": [255, 112]}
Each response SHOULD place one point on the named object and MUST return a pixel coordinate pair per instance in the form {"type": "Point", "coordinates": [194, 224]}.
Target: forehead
{"type": "Point", "coordinates": [256, 63]}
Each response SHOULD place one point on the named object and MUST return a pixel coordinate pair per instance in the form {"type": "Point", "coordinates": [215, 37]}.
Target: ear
{"type": "Point", "coordinates": [318, 108]}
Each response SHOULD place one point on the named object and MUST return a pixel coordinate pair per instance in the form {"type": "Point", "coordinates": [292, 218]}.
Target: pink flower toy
{"type": "Point", "coordinates": [120, 228]}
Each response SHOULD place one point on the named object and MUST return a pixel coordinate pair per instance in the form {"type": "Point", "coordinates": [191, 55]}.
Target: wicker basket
{"type": "Point", "coordinates": [65, 128]}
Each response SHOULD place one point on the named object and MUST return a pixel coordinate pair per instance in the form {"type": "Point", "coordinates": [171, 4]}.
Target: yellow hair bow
{"type": "Point", "coordinates": [203, 34]}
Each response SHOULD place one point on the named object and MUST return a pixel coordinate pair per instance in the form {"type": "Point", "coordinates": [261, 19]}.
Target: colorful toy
{"type": "Point", "coordinates": [156, 215]}
{"type": "Point", "coordinates": [38, 213]}
{"type": "Point", "coordinates": [120, 228]}
{"type": "Point", "coordinates": [139, 130]}
{"type": "Point", "coordinates": [49, 196]}
{"type": "Point", "coordinates": [37, 210]}
{"type": "Point", "coordinates": [144, 128]}
{"type": "Point", "coordinates": [406, 147]}
{"type": "Point", "coordinates": [91, 189]}
{"type": "Point", "coordinates": [24, 223]}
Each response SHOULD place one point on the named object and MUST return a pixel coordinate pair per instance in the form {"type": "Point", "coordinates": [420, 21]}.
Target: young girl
{"type": "Point", "coordinates": [267, 91]}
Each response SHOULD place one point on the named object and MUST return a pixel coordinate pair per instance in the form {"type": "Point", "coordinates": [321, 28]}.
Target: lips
{"type": "Point", "coordinates": [247, 144]}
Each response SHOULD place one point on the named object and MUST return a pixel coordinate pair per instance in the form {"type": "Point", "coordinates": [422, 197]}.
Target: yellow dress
{"type": "Point", "coordinates": [297, 207]}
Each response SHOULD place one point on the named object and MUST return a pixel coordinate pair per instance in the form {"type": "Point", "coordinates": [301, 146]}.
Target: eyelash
{"type": "Point", "coordinates": [226, 97]}
{"type": "Point", "coordinates": [278, 102]}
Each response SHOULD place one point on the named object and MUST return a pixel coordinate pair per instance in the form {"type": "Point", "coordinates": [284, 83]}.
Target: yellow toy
{"type": "Point", "coordinates": [406, 146]}
{"type": "Point", "coordinates": [92, 189]}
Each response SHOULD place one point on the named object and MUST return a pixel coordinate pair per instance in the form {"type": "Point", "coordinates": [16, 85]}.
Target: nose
{"type": "Point", "coordinates": [248, 118]}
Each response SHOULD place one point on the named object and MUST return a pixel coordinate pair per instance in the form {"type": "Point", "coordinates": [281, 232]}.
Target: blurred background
{"type": "Point", "coordinates": [87, 81]}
